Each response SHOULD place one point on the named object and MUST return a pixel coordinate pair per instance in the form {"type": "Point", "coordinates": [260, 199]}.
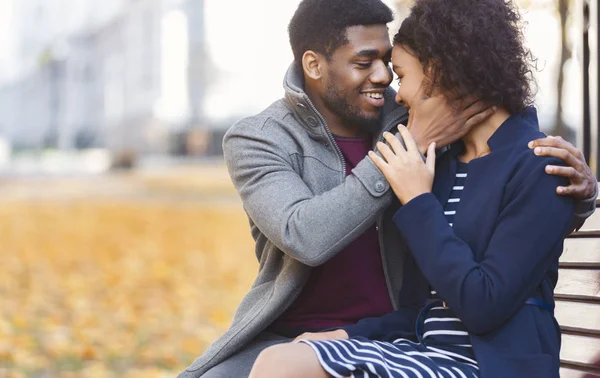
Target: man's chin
{"type": "Point", "coordinates": [372, 122]}
{"type": "Point", "coordinates": [371, 125]}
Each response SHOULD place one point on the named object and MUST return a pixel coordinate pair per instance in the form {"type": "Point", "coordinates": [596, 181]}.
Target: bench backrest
{"type": "Point", "coordinates": [578, 301]}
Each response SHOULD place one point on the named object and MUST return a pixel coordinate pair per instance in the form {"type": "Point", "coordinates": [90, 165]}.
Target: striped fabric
{"type": "Point", "coordinates": [444, 349]}
{"type": "Point", "coordinates": [457, 189]}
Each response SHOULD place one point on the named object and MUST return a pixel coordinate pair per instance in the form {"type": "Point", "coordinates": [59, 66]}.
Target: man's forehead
{"type": "Point", "coordinates": [367, 40]}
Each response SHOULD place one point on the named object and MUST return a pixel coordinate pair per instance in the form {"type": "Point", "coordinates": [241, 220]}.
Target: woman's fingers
{"type": "Point", "coordinates": [394, 143]}
{"type": "Point", "coordinates": [409, 140]}
{"type": "Point", "coordinates": [386, 151]}
{"type": "Point", "coordinates": [378, 161]}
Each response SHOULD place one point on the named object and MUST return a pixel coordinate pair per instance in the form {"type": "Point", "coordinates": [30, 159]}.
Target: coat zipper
{"type": "Point", "coordinates": [380, 219]}
{"type": "Point", "coordinates": [331, 139]}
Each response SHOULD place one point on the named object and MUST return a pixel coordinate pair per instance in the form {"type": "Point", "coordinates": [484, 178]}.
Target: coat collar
{"type": "Point", "coordinates": [505, 136]}
{"type": "Point", "coordinates": [512, 129]}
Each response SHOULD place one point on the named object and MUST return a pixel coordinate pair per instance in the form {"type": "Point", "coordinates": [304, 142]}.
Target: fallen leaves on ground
{"type": "Point", "coordinates": [117, 287]}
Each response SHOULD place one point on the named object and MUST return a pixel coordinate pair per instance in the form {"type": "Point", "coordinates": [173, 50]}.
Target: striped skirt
{"type": "Point", "coordinates": [443, 351]}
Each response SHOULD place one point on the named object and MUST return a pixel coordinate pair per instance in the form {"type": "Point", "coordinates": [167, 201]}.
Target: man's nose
{"type": "Point", "coordinates": [382, 74]}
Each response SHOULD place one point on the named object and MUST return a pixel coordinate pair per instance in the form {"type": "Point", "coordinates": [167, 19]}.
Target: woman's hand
{"type": "Point", "coordinates": [329, 335]}
{"type": "Point", "coordinates": [404, 169]}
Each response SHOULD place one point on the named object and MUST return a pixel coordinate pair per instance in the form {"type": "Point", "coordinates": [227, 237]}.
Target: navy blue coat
{"type": "Point", "coordinates": [503, 249]}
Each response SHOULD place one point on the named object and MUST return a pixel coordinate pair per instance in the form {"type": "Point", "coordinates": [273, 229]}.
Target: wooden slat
{"type": "Point", "coordinates": [572, 373]}
{"type": "Point", "coordinates": [592, 223]}
{"type": "Point", "coordinates": [581, 350]}
{"type": "Point", "coordinates": [580, 282]}
{"type": "Point", "coordinates": [577, 298]}
{"type": "Point", "coordinates": [578, 301]}
{"type": "Point", "coordinates": [581, 250]}
{"type": "Point", "coordinates": [566, 330]}
{"type": "Point", "coordinates": [585, 234]}
{"type": "Point", "coordinates": [580, 315]}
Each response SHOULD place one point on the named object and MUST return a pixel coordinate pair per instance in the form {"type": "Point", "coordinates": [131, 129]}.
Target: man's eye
{"type": "Point", "coordinates": [364, 64]}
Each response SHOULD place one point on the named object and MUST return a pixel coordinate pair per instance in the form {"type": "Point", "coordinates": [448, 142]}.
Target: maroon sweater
{"type": "Point", "coordinates": [348, 287]}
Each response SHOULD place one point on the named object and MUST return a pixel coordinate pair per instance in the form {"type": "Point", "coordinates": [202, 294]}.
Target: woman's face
{"type": "Point", "coordinates": [410, 75]}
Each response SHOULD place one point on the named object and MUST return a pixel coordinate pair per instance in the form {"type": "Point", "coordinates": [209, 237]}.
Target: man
{"type": "Point", "coordinates": [319, 211]}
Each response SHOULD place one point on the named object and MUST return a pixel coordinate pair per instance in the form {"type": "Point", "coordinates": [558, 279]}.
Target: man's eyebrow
{"type": "Point", "coordinates": [368, 53]}
{"type": "Point", "coordinates": [373, 53]}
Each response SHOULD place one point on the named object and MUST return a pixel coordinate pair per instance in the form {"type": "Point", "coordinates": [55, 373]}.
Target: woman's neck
{"type": "Point", "coordinates": [476, 140]}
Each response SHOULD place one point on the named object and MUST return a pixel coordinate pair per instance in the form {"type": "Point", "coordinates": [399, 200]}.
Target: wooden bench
{"type": "Point", "coordinates": [578, 301]}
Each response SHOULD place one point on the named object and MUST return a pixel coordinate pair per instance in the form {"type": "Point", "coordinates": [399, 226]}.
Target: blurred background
{"type": "Point", "coordinates": [124, 249]}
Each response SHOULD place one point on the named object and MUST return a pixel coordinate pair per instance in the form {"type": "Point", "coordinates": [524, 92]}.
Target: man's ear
{"type": "Point", "coordinates": [313, 65]}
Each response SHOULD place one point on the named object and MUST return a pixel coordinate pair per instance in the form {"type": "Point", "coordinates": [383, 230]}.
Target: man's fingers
{"type": "Point", "coordinates": [472, 105]}
{"type": "Point", "coordinates": [568, 172]}
{"type": "Point", "coordinates": [302, 336]}
{"type": "Point", "coordinates": [409, 140]}
{"type": "Point", "coordinates": [394, 142]}
{"type": "Point", "coordinates": [560, 153]}
{"type": "Point", "coordinates": [566, 190]}
{"type": "Point", "coordinates": [556, 142]}
{"type": "Point", "coordinates": [479, 117]}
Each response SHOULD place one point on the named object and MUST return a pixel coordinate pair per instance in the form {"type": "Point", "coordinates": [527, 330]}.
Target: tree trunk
{"type": "Point", "coordinates": [565, 53]}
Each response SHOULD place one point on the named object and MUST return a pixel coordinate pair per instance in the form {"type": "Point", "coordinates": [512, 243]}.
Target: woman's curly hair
{"type": "Point", "coordinates": [472, 47]}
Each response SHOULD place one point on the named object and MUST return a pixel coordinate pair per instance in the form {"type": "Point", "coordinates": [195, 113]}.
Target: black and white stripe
{"type": "Point", "coordinates": [445, 350]}
{"type": "Point", "coordinates": [457, 189]}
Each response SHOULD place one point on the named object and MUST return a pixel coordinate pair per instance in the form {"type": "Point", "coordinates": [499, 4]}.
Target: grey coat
{"type": "Point", "coordinates": [302, 208]}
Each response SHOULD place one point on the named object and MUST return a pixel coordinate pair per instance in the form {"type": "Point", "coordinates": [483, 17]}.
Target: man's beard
{"type": "Point", "coordinates": [350, 114]}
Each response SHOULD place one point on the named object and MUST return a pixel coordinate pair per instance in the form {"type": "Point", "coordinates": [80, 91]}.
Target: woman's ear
{"type": "Point", "coordinates": [312, 65]}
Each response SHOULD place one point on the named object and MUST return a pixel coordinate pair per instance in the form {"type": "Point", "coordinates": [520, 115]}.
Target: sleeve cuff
{"type": "Point", "coordinates": [371, 177]}
{"type": "Point", "coordinates": [415, 208]}
{"type": "Point", "coordinates": [583, 210]}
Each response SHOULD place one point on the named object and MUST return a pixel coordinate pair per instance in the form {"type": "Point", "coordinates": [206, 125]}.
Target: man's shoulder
{"type": "Point", "coordinates": [275, 125]}
{"type": "Point", "coordinates": [277, 114]}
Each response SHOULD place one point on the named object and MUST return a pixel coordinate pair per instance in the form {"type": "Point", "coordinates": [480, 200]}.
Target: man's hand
{"type": "Point", "coordinates": [582, 181]}
{"type": "Point", "coordinates": [338, 334]}
{"type": "Point", "coordinates": [433, 119]}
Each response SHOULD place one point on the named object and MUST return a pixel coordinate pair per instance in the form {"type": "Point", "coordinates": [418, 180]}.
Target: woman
{"type": "Point", "coordinates": [486, 234]}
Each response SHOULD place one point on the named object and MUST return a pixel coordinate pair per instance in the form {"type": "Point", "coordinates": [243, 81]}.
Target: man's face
{"type": "Point", "coordinates": [410, 75]}
{"type": "Point", "coordinates": [357, 75]}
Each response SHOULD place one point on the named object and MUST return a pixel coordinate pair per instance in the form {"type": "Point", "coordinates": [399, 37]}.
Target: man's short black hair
{"type": "Point", "coordinates": [320, 25]}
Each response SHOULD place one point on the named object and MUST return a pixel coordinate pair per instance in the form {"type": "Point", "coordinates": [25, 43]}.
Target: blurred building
{"type": "Point", "coordinates": [123, 74]}
{"type": "Point", "coordinates": [170, 76]}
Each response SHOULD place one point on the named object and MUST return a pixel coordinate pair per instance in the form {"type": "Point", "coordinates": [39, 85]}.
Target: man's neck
{"type": "Point", "coordinates": [476, 140]}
